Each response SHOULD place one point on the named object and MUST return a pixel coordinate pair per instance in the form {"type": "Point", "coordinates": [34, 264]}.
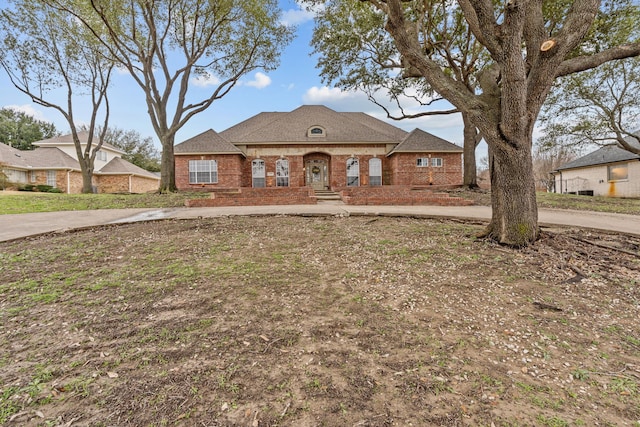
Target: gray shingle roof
{"type": "Point", "coordinates": [604, 155]}
{"type": "Point", "coordinates": [119, 166]}
{"type": "Point", "coordinates": [209, 142]}
{"type": "Point", "coordinates": [12, 156]}
{"type": "Point", "coordinates": [419, 141]}
{"type": "Point", "coordinates": [40, 158]}
{"type": "Point", "coordinates": [293, 127]}
{"type": "Point", "coordinates": [51, 158]}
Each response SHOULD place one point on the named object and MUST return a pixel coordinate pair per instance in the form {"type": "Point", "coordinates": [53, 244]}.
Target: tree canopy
{"type": "Point", "coordinates": [45, 51]}
{"type": "Point", "coordinates": [167, 44]}
{"type": "Point", "coordinates": [19, 129]}
{"type": "Point", "coordinates": [599, 106]}
{"type": "Point", "coordinates": [356, 53]}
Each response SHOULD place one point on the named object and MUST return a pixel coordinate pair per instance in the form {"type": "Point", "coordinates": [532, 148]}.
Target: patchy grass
{"type": "Point", "coordinates": [294, 321]}
{"type": "Point", "coordinates": [588, 203]}
{"type": "Point", "coordinates": [26, 202]}
{"type": "Point", "coordinates": [564, 201]}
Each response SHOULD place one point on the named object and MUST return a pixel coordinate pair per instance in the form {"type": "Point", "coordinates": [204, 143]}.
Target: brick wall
{"type": "Point", "coordinates": [120, 184]}
{"type": "Point", "coordinates": [404, 171]}
{"type": "Point", "coordinates": [257, 197]}
{"type": "Point", "coordinates": [398, 195]}
{"type": "Point", "coordinates": [230, 167]}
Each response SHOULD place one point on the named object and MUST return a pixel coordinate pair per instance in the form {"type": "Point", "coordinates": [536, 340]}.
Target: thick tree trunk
{"type": "Point", "coordinates": [469, 176]}
{"type": "Point", "coordinates": [87, 181]}
{"type": "Point", "coordinates": [514, 219]}
{"type": "Point", "coordinates": [167, 166]}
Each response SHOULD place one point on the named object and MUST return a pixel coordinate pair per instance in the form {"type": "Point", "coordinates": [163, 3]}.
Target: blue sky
{"type": "Point", "coordinates": [296, 82]}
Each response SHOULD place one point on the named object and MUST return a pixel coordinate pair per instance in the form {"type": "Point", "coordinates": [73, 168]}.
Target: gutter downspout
{"type": "Point", "coordinates": [130, 184]}
{"type": "Point", "coordinates": [68, 181]}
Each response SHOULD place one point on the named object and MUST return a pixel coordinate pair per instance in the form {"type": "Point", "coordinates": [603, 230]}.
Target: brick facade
{"type": "Point", "coordinates": [230, 171]}
{"type": "Point", "coordinates": [404, 170]}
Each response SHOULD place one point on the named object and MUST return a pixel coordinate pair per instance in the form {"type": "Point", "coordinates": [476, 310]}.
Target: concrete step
{"type": "Point", "coordinates": [327, 195]}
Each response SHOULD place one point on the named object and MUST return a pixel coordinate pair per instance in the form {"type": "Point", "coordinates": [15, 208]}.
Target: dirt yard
{"type": "Point", "coordinates": [318, 321]}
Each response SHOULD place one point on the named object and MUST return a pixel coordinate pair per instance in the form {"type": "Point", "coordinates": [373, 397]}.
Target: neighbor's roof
{"type": "Point", "coordinates": [51, 158]}
{"type": "Point", "coordinates": [209, 142]}
{"type": "Point", "coordinates": [607, 154]}
{"type": "Point", "coordinates": [67, 139]}
{"type": "Point", "coordinates": [12, 157]}
{"type": "Point", "coordinates": [40, 158]}
{"type": "Point", "coordinates": [293, 127]}
{"type": "Point", "coordinates": [118, 166]}
{"type": "Point", "coordinates": [419, 141]}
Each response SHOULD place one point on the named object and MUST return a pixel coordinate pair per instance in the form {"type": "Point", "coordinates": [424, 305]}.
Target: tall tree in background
{"type": "Point", "coordinates": [18, 129]}
{"type": "Point", "coordinates": [139, 151]}
{"type": "Point", "coordinates": [599, 106]}
{"type": "Point", "coordinates": [164, 44]}
{"type": "Point", "coordinates": [530, 45]}
{"type": "Point", "coordinates": [356, 53]}
{"type": "Point", "coordinates": [44, 51]}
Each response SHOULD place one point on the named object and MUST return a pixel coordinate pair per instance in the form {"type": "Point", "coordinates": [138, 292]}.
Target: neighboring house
{"type": "Point", "coordinates": [314, 147]}
{"type": "Point", "coordinates": [609, 171]}
{"type": "Point", "coordinates": [54, 162]}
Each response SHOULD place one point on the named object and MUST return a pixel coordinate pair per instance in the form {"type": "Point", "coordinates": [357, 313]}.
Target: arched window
{"type": "Point", "coordinates": [353, 172]}
{"type": "Point", "coordinates": [203, 172]}
{"type": "Point", "coordinates": [375, 171]}
{"type": "Point", "coordinates": [316, 131]}
{"type": "Point", "coordinates": [282, 173]}
{"type": "Point", "coordinates": [258, 173]}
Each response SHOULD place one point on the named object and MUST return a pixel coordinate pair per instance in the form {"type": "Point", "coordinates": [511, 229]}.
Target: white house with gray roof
{"type": "Point", "coordinates": [609, 171]}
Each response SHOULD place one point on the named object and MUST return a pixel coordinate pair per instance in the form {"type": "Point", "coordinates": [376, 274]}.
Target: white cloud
{"type": "Point", "coordinates": [293, 17]}
{"type": "Point", "coordinates": [260, 81]}
{"type": "Point", "coordinates": [205, 80]}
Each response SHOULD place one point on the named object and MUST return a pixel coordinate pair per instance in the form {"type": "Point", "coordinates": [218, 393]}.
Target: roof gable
{"type": "Point", "coordinates": [209, 142]}
{"type": "Point", "coordinates": [419, 141]}
{"type": "Point", "coordinates": [118, 165]}
{"type": "Point", "coordinates": [293, 127]}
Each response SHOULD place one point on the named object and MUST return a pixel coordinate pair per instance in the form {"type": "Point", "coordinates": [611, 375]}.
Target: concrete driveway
{"type": "Point", "coordinates": [24, 225]}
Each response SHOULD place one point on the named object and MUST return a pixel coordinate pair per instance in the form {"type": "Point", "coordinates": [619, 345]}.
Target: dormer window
{"type": "Point", "coordinates": [316, 131]}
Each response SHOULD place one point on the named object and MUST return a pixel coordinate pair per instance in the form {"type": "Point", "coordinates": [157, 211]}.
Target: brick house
{"type": "Point", "coordinates": [292, 156]}
{"type": "Point", "coordinates": [54, 163]}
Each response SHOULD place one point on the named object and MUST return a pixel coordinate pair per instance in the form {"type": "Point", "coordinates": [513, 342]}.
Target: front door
{"type": "Point", "coordinates": [317, 174]}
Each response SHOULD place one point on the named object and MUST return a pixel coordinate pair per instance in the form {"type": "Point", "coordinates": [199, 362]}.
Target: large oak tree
{"type": "Point", "coordinates": [356, 53]}
{"type": "Point", "coordinates": [47, 53]}
{"type": "Point", "coordinates": [531, 43]}
{"type": "Point", "coordinates": [165, 44]}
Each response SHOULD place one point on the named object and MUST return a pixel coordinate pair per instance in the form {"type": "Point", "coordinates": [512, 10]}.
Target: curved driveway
{"type": "Point", "coordinates": [24, 225]}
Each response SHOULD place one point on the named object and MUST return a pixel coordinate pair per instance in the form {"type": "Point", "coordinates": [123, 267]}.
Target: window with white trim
{"type": "Point", "coordinates": [618, 172]}
{"type": "Point", "coordinates": [258, 173]}
{"type": "Point", "coordinates": [282, 173]}
{"type": "Point", "coordinates": [101, 155]}
{"type": "Point", "coordinates": [51, 178]}
{"type": "Point", "coordinates": [353, 172]}
{"type": "Point", "coordinates": [33, 176]}
{"type": "Point", "coordinates": [203, 172]}
{"type": "Point", "coordinates": [375, 171]}
{"type": "Point", "coordinates": [436, 162]}
{"type": "Point", "coordinates": [422, 162]}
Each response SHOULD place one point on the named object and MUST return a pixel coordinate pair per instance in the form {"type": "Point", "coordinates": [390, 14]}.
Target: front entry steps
{"type": "Point", "coordinates": [328, 196]}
